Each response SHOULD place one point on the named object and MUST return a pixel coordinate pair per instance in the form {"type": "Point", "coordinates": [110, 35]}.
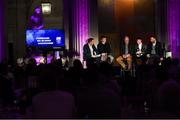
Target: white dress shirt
{"type": "Point", "coordinates": [154, 44]}
{"type": "Point", "coordinates": [140, 47]}
{"type": "Point", "coordinates": [91, 49]}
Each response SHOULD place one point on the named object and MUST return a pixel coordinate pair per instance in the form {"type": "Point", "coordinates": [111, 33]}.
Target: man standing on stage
{"type": "Point", "coordinates": [104, 49]}
{"type": "Point", "coordinates": [90, 52]}
{"type": "Point", "coordinates": [154, 50]}
{"type": "Point", "coordinates": [126, 52]}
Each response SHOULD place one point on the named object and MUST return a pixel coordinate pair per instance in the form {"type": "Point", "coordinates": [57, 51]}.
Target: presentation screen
{"type": "Point", "coordinates": [45, 38]}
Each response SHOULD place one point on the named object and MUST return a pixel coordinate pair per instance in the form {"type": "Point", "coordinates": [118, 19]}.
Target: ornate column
{"type": "Point", "coordinates": [2, 30]}
{"type": "Point", "coordinates": [80, 25]}
{"type": "Point", "coordinates": [161, 21]}
{"type": "Point", "coordinates": [173, 23]}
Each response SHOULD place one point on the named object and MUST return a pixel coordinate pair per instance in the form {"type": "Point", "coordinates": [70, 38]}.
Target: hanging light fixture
{"type": "Point", "coordinates": [46, 7]}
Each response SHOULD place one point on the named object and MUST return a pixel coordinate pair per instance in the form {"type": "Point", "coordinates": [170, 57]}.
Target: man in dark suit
{"type": "Point", "coordinates": [154, 50]}
{"type": "Point", "coordinates": [90, 52]}
{"type": "Point", "coordinates": [104, 48]}
{"type": "Point", "coordinates": [140, 50]}
{"type": "Point", "coordinates": [126, 52]}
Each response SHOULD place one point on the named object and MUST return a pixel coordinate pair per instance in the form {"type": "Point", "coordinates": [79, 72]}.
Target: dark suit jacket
{"type": "Point", "coordinates": [130, 49]}
{"type": "Point", "coordinates": [87, 52]}
{"type": "Point", "coordinates": [143, 50]}
{"type": "Point", "coordinates": [104, 48]}
{"type": "Point", "coordinates": [158, 49]}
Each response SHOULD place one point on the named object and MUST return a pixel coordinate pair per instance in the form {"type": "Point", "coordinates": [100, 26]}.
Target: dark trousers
{"type": "Point", "coordinates": [153, 59]}
{"type": "Point", "coordinates": [93, 61]}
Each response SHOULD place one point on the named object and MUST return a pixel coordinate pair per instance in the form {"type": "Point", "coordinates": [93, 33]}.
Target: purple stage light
{"type": "Point", "coordinates": [81, 25]}
{"type": "Point", "coordinates": [43, 60]}
{"type": "Point", "coordinates": [173, 22]}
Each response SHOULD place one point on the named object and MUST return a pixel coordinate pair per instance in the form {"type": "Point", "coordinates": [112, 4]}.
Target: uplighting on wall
{"type": "Point", "coordinates": [46, 8]}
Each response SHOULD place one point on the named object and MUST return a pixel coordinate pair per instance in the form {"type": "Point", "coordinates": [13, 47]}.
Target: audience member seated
{"type": "Point", "coordinates": [52, 103]}
{"type": "Point", "coordinates": [6, 88]}
{"type": "Point", "coordinates": [94, 91]}
{"type": "Point", "coordinates": [19, 74]}
{"type": "Point", "coordinates": [106, 77]}
{"type": "Point", "coordinates": [74, 76]}
{"type": "Point", "coordinates": [168, 100]}
{"type": "Point", "coordinates": [96, 99]}
{"type": "Point", "coordinates": [173, 69]}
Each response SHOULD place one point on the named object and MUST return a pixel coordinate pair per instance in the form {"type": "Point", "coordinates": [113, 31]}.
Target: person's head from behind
{"type": "Point", "coordinates": [139, 41]}
{"type": "Point", "coordinates": [20, 62]}
{"type": "Point", "coordinates": [90, 63]}
{"type": "Point", "coordinates": [152, 39]}
{"type": "Point", "coordinates": [90, 76]}
{"type": "Point", "coordinates": [175, 61]}
{"type": "Point", "coordinates": [3, 68]}
{"type": "Point", "coordinates": [169, 96]}
{"type": "Point", "coordinates": [105, 69]}
{"type": "Point", "coordinates": [91, 41]}
{"type": "Point", "coordinates": [58, 63]}
{"type": "Point", "coordinates": [103, 39]}
{"type": "Point", "coordinates": [48, 78]}
{"type": "Point", "coordinates": [126, 40]}
{"type": "Point", "coordinates": [77, 64]}
{"type": "Point", "coordinates": [32, 62]}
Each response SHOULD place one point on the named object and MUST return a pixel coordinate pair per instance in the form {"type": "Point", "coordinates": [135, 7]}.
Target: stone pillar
{"type": "Point", "coordinates": [20, 42]}
{"type": "Point", "coordinates": [2, 30]}
{"type": "Point", "coordinates": [66, 20]}
{"type": "Point", "coordinates": [93, 27]}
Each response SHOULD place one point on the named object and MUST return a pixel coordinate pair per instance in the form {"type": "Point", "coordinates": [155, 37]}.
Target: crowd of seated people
{"type": "Point", "coordinates": [51, 91]}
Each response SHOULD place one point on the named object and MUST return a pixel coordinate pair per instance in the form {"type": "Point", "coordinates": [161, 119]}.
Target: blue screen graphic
{"type": "Point", "coordinates": [45, 38]}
